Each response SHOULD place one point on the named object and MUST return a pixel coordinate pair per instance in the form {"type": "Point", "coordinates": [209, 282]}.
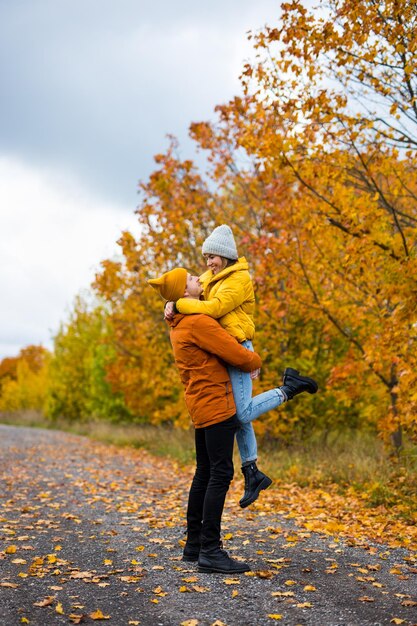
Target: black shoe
{"type": "Point", "coordinates": [294, 383]}
{"type": "Point", "coordinates": [255, 481]}
{"type": "Point", "coordinates": [220, 561]}
{"type": "Point", "coordinates": [191, 552]}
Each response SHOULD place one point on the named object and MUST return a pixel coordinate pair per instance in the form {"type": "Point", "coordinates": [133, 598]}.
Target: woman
{"type": "Point", "coordinates": [229, 297]}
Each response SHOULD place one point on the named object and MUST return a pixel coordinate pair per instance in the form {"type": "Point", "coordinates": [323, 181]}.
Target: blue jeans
{"type": "Point", "coordinates": [248, 408]}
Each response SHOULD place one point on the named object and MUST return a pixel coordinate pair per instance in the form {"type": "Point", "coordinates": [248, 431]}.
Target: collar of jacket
{"type": "Point", "coordinates": [208, 277]}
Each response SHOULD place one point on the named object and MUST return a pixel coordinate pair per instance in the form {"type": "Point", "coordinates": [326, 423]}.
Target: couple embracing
{"type": "Point", "coordinates": [211, 332]}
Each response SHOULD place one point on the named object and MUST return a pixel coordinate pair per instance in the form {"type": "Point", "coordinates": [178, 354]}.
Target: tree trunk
{"type": "Point", "coordinates": [397, 435]}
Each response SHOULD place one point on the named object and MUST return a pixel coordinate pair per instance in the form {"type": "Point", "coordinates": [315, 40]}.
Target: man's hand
{"type": "Point", "coordinates": [255, 374]}
{"type": "Point", "coordinates": [169, 311]}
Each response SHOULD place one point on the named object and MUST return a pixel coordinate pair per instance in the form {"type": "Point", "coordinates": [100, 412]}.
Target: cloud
{"type": "Point", "coordinates": [54, 235]}
{"type": "Point", "coordinates": [90, 89]}
{"type": "Point", "coordinates": [97, 85]}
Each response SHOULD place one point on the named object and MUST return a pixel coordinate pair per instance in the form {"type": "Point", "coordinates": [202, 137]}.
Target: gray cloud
{"type": "Point", "coordinates": [90, 89]}
{"type": "Point", "coordinates": [97, 85]}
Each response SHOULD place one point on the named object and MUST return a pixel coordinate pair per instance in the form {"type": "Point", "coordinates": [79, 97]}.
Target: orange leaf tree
{"type": "Point", "coordinates": [328, 123]}
{"type": "Point", "coordinates": [315, 169]}
{"type": "Point", "coordinates": [174, 216]}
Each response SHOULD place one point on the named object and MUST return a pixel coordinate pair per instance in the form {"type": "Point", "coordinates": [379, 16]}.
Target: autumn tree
{"type": "Point", "coordinates": [175, 215]}
{"type": "Point", "coordinates": [24, 380]}
{"type": "Point", "coordinates": [315, 169]}
{"type": "Point", "coordinates": [327, 132]}
{"type": "Point", "coordinates": [78, 386]}
{"type": "Point", "coordinates": [340, 84]}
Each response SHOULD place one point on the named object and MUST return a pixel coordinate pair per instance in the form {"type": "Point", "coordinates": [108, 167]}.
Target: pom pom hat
{"type": "Point", "coordinates": [221, 243]}
{"type": "Point", "coordinates": [171, 285]}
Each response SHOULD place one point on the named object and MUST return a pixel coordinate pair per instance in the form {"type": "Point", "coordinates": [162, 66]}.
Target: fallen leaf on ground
{"type": "Point", "coordinates": [265, 574]}
{"type": "Point", "coordinates": [98, 615]}
{"type": "Point", "coordinates": [46, 602]}
{"type": "Point", "coordinates": [283, 594]}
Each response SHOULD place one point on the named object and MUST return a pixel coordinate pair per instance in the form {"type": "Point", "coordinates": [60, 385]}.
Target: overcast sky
{"type": "Point", "coordinates": [89, 91]}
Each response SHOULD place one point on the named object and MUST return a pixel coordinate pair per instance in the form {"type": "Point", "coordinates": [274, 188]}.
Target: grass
{"type": "Point", "coordinates": [352, 460]}
{"type": "Point", "coordinates": [164, 440]}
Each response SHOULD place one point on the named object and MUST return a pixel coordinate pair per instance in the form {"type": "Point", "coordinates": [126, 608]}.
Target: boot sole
{"type": "Point", "coordinates": [266, 482]}
{"type": "Point", "coordinates": [219, 570]}
{"type": "Point", "coordinates": [289, 371]}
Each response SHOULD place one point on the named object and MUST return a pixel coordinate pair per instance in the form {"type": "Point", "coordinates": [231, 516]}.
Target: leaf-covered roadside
{"type": "Point", "coordinates": [91, 532]}
{"type": "Point", "coordinates": [346, 515]}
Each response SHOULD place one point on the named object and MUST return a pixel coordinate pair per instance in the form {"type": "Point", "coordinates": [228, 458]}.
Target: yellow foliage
{"type": "Point", "coordinates": [28, 388]}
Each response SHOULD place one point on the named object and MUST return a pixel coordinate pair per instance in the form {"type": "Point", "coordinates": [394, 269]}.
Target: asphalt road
{"type": "Point", "coordinates": [91, 533]}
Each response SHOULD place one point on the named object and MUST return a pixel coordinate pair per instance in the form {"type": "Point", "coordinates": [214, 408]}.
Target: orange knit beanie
{"type": "Point", "coordinates": [171, 285]}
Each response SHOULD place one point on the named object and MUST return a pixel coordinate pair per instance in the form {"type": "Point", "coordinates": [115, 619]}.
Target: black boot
{"type": "Point", "coordinates": [219, 561]}
{"type": "Point", "coordinates": [294, 383]}
{"type": "Point", "coordinates": [191, 552]}
{"type": "Point", "coordinates": [192, 543]}
{"type": "Point", "coordinates": [255, 481]}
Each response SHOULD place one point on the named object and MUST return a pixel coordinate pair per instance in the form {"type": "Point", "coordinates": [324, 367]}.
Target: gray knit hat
{"type": "Point", "coordinates": [221, 242]}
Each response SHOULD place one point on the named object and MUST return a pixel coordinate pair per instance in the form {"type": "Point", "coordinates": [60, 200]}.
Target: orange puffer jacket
{"type": "Point", "coordinates": [201, 348]}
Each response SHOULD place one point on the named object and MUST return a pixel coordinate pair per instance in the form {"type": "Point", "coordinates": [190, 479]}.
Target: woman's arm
{"type": "Point", "coordinates": [228, 297]}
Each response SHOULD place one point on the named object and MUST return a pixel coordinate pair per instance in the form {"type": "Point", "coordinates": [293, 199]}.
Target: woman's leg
{"type": "Point", "coordinates": [249, 408]}
{"type": "Point", "coordinates": [242, 394]}
{"type": "Point", "coordinates": [252, 407]}
{"type": "Point", "coordinates": [246, 442]}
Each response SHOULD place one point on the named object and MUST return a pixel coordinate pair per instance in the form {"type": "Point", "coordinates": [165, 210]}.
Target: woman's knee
{"type": "Point", "coordinates": [244, 413]}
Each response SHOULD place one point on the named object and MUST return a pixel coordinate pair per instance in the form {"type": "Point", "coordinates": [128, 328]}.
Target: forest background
{"type": "Point", "coordinates": [314, 167]}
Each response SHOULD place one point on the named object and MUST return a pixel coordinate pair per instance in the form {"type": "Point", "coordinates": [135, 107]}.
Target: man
{"type": "Point", "coordinates": [201, 348]}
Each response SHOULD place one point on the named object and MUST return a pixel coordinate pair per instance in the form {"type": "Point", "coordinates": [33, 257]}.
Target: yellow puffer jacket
{"type": "Point", "coordinates": [228, 298]}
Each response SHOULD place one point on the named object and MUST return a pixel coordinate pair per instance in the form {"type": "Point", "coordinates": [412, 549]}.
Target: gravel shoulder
{"type": "Point", "coordinates": [91, 532]}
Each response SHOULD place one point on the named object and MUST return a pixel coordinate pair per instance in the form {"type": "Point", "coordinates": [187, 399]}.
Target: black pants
{"type": "Point", "coordinates": [213, 474]}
